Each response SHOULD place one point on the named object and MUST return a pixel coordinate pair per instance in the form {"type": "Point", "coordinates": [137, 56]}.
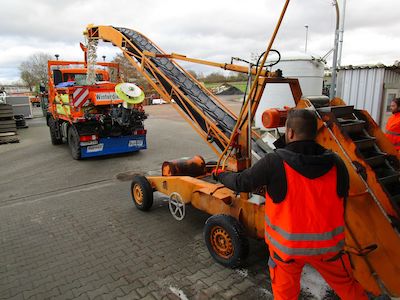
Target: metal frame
{"type": "Point", "coordinates": [363, 205]}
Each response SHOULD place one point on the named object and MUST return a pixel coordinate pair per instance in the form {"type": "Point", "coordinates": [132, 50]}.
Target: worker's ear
{"type": "Point", "coordinates": [289, 134]}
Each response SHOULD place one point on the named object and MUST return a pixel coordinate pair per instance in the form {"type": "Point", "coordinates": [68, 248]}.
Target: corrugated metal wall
{"type": "Point", "coordinates": [392, 80]}
{"type": "Point", "coordinates": [362, 88]}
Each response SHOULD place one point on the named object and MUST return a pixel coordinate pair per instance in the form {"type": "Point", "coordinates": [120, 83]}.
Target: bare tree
{"type": "Point", "coordinates": [193, 73]}
{"type": "Point", "coordinates": [28, 79]}
{"type": "Point", "coordinates": [33, 71]}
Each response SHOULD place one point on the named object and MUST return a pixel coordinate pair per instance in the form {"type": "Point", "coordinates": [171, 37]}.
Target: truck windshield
{"type": "Point", "coordinates": [80, 79]}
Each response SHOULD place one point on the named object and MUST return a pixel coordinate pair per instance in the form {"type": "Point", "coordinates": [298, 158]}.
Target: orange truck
{"type": "Point", "coordinates": [94, 118]}
{"type": "Point", "coordinates": [35, 100]}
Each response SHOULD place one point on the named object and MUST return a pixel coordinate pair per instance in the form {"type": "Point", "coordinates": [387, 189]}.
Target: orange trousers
{"type": "Point", "coordinates": [285, 277]}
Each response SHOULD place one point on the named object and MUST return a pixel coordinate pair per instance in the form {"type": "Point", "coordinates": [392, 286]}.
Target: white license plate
{"type": "Point", "coordinates": [135, 143]}
{"type": "Point", "coordinates": [95, 148]}
{"type": "Point", "coordinates": [89, 143]}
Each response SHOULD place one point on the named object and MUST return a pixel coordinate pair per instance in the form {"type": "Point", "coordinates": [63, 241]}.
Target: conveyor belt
{"type": "Point", "coordinates": [225, 121]}
{"type": "Point", "coordinates": [387, 173]}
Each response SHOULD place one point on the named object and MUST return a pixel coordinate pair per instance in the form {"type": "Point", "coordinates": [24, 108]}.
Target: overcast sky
{"type": "Point", "coordinates": [208, 29]}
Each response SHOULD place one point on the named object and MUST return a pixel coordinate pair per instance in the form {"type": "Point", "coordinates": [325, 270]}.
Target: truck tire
{"type": "Point", "coordinates": [142, 193]}
{"type": "Point", "coordinates": [55, 134]}
{"type": "Point", "coordinates": [74, 143]}
{"type": "Point", "coordinates": [226, 240]}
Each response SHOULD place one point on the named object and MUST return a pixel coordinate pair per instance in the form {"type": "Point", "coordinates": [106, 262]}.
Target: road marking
{"type": "Point", "coordinates": [242, 272]}
{"type": "Point", "coordinates": [178, 293]}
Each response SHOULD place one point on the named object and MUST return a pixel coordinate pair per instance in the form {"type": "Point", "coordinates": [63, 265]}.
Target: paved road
{"type": "Point", "coordinates": [69, 230]}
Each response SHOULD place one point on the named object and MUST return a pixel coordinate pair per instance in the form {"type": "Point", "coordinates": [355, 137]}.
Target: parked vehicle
{"type": "Point", "coordinates": [96, 118]}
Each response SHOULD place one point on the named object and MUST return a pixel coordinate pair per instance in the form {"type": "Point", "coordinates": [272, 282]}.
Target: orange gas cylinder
{"type": "Point", "coordinates": [194, 167]}
{"type": "Point", "coordinates": [274, 117]}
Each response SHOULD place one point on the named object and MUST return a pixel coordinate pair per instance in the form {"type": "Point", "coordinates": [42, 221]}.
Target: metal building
{"type": "Point", "coordinates": [370, 87]}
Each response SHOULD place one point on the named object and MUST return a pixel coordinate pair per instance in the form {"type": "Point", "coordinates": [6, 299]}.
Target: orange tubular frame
{"type": "Point", "coordinates": [153, 75]}
{"type": "Point", "coordinates": [367, 207]}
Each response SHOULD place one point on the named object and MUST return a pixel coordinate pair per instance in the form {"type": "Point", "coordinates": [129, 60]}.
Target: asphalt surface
{"type": "Point", "coordinates": [69, 229]}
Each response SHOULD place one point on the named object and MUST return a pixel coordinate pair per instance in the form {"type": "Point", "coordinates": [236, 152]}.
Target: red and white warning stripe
{"type": "Point", "coordinates": [80, 97]}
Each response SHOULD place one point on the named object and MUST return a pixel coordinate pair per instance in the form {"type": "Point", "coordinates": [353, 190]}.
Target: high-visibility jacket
{"type": "Point", "coordinates": [309, 221]}
{"type": "Point", "coordinates": [393, 130]}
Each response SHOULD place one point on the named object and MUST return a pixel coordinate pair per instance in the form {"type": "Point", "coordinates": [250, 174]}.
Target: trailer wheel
{"type": "Point", "coordinates": [226, 240]}
{"type": "Point", "coordinates": [55, 135]}
{"type": "Point", "coordinates": [142, 193]}
{"type": "Point", "coordinates": [74, 143]}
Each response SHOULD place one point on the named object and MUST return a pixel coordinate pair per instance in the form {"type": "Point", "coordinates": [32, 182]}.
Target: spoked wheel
{"type": "Point", "coordinates": [142, 193]}
{"type": "Point", "coordinates": [226, 241]}
{"type": "Point", "coordinates": [177, 206]}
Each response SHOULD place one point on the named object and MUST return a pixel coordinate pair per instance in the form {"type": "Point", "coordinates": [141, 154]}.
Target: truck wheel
{"type": "Point", "coordinates": [74, 143]}
{"type": "Point", "coordinates": [142, 193]}
{"type": "Point", "coordinates": [226, 240]}
{"type": "Point", "coordinates": [55, 134]}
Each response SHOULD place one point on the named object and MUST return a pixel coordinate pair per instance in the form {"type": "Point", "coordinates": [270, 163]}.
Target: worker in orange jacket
{"type": "Point", "coordinates": [393, 124]}
{"type": "Point", "coordinates": [304, 210]}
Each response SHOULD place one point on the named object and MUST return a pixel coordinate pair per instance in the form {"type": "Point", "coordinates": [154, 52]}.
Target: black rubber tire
{"type": "Point", "coordinates": [55, 135]}
{"type": "Point", "coordinates": [142, 193]}
{"type": "Point", "coordinates": [74, 143]}
{"type": "Point", "coordinates": [223, 228]}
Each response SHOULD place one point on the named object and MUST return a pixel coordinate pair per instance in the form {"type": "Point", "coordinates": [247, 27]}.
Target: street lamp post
{"type": "Point", "coordinates": [305, 46]}
{"type": "Point", "coordinates": [341, 31]}
{"type": "Point", "coordinates": [332, 92]}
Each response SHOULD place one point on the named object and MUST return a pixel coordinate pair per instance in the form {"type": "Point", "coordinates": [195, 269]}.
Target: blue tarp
{"type": "Point", "coordinates": [65, 84]}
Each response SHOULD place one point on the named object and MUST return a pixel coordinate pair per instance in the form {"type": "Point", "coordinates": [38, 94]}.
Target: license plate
{"type": "Point", "coordinates": [135, 143]}
{"type": "Point", "coordinates": [95, 148]}
{"type": "Point", "coordinates": [89, 143]}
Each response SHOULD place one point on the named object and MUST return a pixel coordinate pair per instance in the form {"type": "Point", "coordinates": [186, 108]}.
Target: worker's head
{"type": "Point", "coordinates": [301, 125]}
{"type": "Point", "coordinates": [395, 105]}
{"type": "Point", "coordinates": [71, 77]}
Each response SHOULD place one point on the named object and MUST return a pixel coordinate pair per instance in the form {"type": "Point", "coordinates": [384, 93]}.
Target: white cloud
{"type": "Point", "coordinates": [214, 30]}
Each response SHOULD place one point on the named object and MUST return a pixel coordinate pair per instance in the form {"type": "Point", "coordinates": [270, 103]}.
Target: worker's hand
{"type": "Point", "coordinates": [215, 173]}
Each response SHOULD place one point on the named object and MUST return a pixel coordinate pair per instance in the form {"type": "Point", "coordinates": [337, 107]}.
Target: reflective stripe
{"type": "Point", "coordinates": [305, 251]}
{"type": "Point", "coordinates": [392, 133]}
{"type": "Point", "coordinates": [305, 236]}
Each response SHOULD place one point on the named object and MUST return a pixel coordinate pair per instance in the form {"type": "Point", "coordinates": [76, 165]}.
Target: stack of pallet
{"type": "Point", "coordinates": [8, 128]}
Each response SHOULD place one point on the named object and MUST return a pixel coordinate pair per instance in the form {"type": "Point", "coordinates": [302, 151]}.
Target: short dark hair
{"type": "Point", "coordinates": [397, 101]}
{"type": "Point", "coordinates": [303, 122]}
